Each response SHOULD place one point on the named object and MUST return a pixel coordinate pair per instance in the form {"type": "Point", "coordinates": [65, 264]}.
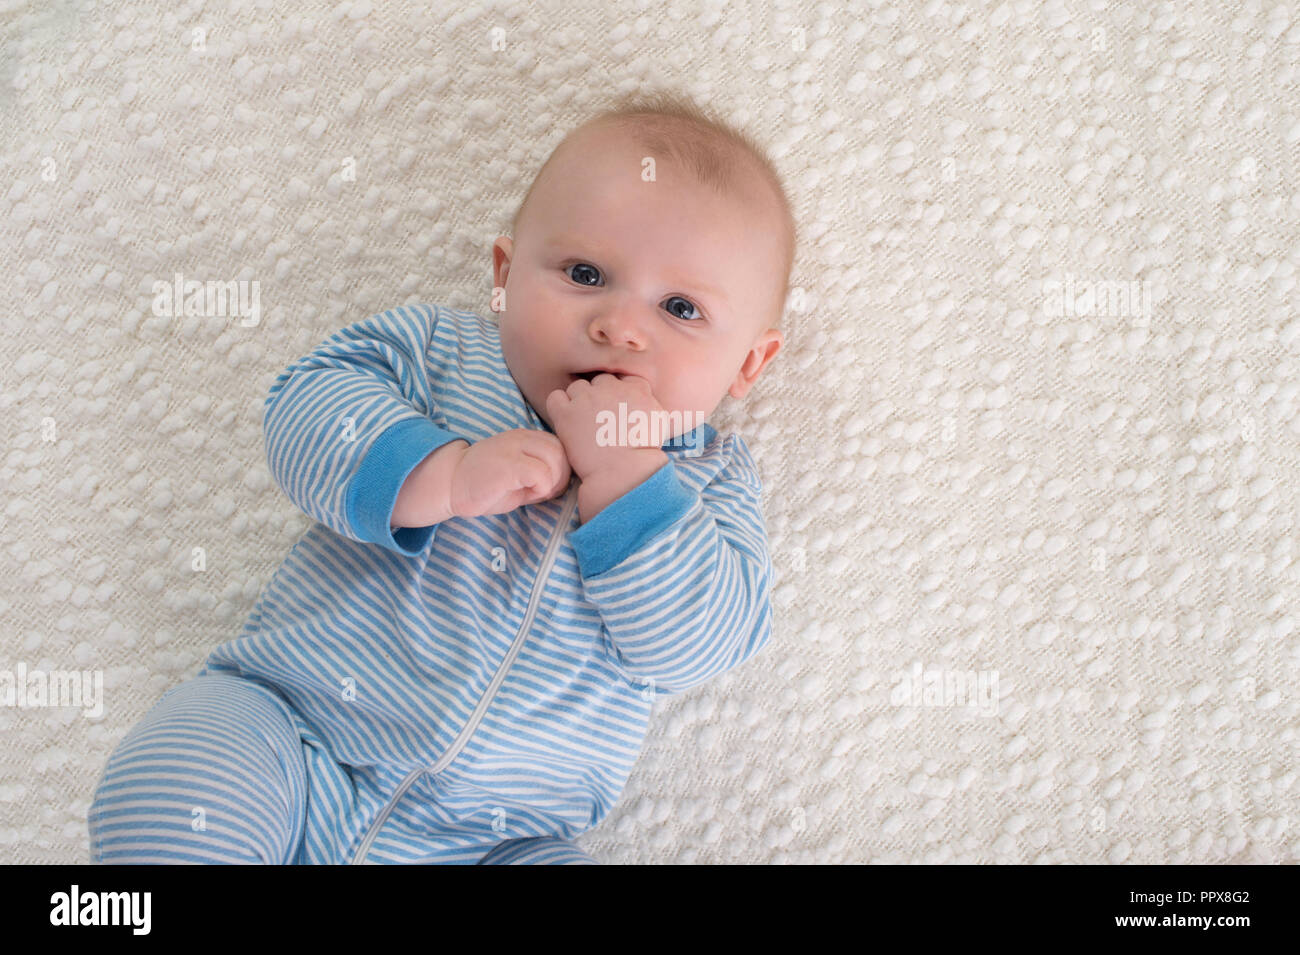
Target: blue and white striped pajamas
{"type": "Point", "coordinates": [476, 691]}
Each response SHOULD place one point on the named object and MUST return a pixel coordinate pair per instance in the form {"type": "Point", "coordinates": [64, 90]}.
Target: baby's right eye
{"type": "Point", "coordinates": [584, 266]}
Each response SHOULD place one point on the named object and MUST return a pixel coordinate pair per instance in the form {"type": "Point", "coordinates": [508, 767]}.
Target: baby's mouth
{"type": "Point", "coordinates": [591, 375]}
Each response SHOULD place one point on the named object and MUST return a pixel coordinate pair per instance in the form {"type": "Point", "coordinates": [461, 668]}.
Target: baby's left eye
{"type": "Point", "coordinates": [689, 306]}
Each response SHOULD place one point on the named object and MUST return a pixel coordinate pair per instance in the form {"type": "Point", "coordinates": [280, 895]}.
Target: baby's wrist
{"type": "Point", "coordinates": [602, 487]}
{"type": "Point", "coordinates": [627, 462]}
{"type": "Point", "coordinates": [425, 496]}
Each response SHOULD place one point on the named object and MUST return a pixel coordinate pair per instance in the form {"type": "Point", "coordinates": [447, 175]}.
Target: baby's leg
{"type": "Point", "coordinates": [214, 773]}
{"type": "Point", "coordinates": [539, 850]}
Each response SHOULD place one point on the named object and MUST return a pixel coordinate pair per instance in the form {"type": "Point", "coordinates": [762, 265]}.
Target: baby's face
{"type": "Point", "coordinates": [666, 280]}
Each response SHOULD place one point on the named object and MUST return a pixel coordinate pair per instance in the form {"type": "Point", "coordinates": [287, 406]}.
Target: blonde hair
{"type": "Point", "coordinates": [716, 153]}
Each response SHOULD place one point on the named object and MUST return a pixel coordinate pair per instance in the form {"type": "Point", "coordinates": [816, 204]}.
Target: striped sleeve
{"type": "Point", "coordinates": [682, 581]}
{"type": "Point", "coordinates": [348, 422]}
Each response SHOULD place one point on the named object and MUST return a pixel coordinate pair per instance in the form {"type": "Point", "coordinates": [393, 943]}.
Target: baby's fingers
{"type": "Point", "coordinates": [550, 456]}
{"type": "Point", "coordinates": [531, 475]}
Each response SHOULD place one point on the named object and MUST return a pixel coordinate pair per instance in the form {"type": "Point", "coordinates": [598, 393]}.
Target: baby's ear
{"type": "Point", "coordinates": [760, 353]}
{"type": "Point", "coordinates": [503, 250]}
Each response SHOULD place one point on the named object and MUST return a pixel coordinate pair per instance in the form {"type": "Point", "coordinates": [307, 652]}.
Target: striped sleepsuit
{"type": "Point", "coordinates": [475, 691]}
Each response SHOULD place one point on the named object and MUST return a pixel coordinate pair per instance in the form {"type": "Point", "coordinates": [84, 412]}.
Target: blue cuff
{"type": "Point", "coordinates": [630, 522]}
{"type": "Point", "coordinates": [373, 491]}
{"type": "Point", "coordinates": [693, 441]}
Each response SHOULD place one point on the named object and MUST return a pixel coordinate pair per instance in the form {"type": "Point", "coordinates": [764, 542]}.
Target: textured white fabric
{"type": "Point", "coordinates": [1099, 507]}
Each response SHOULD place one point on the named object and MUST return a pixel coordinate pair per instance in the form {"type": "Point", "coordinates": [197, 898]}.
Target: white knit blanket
{"type": "Point", "coordinates": [1031, 453]}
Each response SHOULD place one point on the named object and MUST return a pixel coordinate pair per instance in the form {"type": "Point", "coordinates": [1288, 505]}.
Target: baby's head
{"type": "Point", "coordinates": [675, 270]}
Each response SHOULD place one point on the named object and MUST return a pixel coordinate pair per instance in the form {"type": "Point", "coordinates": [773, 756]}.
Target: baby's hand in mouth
{"type": "Point", "coordinates": [586, 416]}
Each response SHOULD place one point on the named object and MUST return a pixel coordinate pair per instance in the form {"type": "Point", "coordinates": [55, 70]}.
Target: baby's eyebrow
{"type": "Point", "coordinates": [559, 241]}
{"type": "Point", "coordinates": [697, 287]}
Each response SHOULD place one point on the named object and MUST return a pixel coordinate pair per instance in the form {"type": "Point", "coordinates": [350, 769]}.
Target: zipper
{"type": "Point", "coordinates": [548, 559]}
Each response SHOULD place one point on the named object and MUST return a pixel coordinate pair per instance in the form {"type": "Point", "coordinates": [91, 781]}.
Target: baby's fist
{"type": "Point", "coordinates": [508, 470]}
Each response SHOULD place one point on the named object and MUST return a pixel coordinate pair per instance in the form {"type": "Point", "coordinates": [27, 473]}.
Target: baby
{"type": "Point", "coordinates": [457, 662]}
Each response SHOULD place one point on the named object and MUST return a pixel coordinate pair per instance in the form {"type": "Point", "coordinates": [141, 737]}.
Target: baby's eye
{"type": "Point", "coordinates": [587, 268]}
{"type": "Point", "coordinates": [690, 306]}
